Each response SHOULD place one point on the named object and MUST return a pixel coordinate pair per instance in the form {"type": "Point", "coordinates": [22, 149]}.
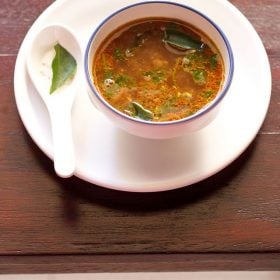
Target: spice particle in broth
{"type": "Point", "coordinates": [158, 70]}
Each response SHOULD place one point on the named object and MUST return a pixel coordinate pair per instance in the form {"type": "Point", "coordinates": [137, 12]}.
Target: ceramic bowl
{"type": "Point", "coordinates": [141, 10]}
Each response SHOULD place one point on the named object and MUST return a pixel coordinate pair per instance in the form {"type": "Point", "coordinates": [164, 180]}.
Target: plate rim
{"type": "Point", "coordinates": [138, 187]}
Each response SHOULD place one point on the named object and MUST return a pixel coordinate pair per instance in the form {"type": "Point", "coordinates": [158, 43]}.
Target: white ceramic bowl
{"type": "Point", "coordinates": [148, 129]}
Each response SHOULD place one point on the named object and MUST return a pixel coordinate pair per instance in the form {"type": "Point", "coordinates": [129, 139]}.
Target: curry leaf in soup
{"type": "Point", "coordinates": [64, 67]}
{"type": "Point", "coordinates": [181, 40]}
{"type": "Point", "coordinates": [141, 112]}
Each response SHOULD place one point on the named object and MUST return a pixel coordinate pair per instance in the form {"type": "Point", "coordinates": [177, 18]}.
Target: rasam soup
{"type": "Point", "coordinates": [158, 70]}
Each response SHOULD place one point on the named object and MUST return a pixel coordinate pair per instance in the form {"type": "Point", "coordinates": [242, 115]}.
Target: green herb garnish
{"type": "Point", "coordinates": [155, 75]}
{"type": "Point", "coordinates": [141, 112]}
{"type": "Point", "coordinates": [207, 93]}
{"type": "Point", "coordinates": [108, 74]}
{"type": "Point", "coordinates": [64, 67]}
{"type": "Point", "coordinates": [194, 60]}
{"type": "Point", "coordinates": [199, 76]}
{"type": "Point", "coordinates": [213, 61]}
{"type": "Point", "coordinates": [124, 80]}
{"type": "Point", "coordinates": [119, 54]}
{"type": "Point", "coordinates": [112, 91]}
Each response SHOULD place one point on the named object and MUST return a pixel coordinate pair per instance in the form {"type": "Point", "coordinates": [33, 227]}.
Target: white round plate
{"type": "Point", "coordinates": [109, 157]}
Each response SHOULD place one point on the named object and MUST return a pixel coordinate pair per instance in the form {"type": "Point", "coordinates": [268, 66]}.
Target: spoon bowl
{"type": "Point", "coordinates": [59, 103]}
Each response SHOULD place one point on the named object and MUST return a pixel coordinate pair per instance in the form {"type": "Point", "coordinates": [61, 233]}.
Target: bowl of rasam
{"type": "Point", "coordinates": [158, 69]}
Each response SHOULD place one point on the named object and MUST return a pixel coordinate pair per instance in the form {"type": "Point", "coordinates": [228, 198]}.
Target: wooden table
{"type": "Point", "coordinates": [230, 221]}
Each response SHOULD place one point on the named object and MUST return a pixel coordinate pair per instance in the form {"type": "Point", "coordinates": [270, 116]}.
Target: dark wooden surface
{"type": "Point", "coordinates": [229, 221]}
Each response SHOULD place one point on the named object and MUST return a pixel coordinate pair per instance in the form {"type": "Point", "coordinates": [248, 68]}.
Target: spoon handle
{"type": "Point", "coordinates": [63, 146]}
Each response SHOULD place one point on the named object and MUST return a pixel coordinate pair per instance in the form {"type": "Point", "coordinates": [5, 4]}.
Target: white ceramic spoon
{"type": "Point", "coordinates": [59, 103]}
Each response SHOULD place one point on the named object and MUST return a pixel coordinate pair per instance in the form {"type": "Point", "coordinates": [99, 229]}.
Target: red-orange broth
{"type": "Point", "coordinates": [158, 70]}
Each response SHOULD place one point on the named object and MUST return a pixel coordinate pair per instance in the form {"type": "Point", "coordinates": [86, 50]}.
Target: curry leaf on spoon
{"type": "Point", "coordinates": [64, 67]}
{"type": "Point", "coordinates": [179, 39]}
{"type": "Point", "coordinates": [141, 112]}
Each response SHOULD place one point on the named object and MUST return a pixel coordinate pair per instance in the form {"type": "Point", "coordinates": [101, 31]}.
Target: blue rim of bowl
{"type": "Point", "coordinates": [198, 114]}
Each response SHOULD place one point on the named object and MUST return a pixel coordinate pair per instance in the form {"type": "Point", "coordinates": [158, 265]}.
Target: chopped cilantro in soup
{"type": "Point", "coordinates": [158, 70]}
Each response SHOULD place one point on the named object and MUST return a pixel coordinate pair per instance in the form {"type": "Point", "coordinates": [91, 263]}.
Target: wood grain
{"type": "Point", "coordinates": [229, 221]}
{"type": "Point", "coordinates": [264, 16]}
{"type": "Point", "coordinates": [135, 263]}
